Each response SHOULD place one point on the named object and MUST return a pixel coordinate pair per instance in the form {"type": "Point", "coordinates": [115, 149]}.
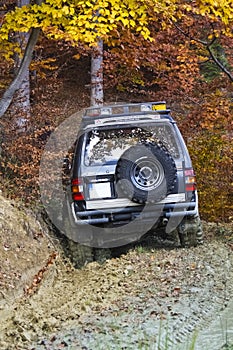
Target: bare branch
{"type": "Point", "coordinates": [219, 64]}
{"type": "Point", "coordinates": [189, 36]}
{"type": "Point", "coordinates": [208, 47]}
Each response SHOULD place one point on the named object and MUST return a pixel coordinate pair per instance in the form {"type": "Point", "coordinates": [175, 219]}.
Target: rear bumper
{"type": "Point", "coordinates": [126, 215]}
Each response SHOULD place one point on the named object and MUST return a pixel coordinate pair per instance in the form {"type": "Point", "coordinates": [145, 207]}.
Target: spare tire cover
{"type": "Point", "coordinates": [146, 173]}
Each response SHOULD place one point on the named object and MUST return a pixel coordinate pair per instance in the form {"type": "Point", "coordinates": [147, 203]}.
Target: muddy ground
{"type": "Point", "coordinates": [155, 296]}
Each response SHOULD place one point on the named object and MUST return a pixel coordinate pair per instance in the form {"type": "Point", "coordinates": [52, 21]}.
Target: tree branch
{"type": "Point", "coordinates": [219, 64]}
{"type": "Point", "coordinates": [208, 47]}
{"type": "Point", "coordinates": [187, 35]}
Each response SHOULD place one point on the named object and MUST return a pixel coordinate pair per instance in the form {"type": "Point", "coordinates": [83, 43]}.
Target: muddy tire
{"type": "Point", "coordinates": [102, 254]}
{"type": "Point", "coordinates": [190, 232]}
{"type": "Point", "coordinates": [146, 173]}
{"type": "Point", "coordinates": [79, 255]}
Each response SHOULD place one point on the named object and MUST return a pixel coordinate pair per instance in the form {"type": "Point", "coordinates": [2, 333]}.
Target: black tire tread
{"type": "Point", "coordinates": [79, 254]}
{"type": "Point", "coordinates": [190, 232]}
{"type": "Point", "coordinates": [130, 156]}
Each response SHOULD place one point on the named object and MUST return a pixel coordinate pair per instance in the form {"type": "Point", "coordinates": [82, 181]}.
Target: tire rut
{"type": "Point", "coordinates": [146, 299]}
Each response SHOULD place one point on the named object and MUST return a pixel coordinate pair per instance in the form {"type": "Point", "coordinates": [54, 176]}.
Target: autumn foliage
{"type": "Point", "coordinates": [176, 51]}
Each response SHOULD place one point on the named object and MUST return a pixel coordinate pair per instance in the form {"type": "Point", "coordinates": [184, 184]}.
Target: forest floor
{"type": "Point", "coordinates": [156, 296]}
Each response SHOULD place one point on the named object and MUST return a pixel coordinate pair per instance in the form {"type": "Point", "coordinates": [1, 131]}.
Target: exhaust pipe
{"type": "Point", "coordinates": [165, 221]}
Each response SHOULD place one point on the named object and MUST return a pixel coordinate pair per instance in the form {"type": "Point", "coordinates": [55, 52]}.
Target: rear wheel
{"type": "Point", "coordinates": [102, 254]}
{"type": "Point", "coordinates": [79, 254]}
{"type": "Point", "coordinates": [190, 232]}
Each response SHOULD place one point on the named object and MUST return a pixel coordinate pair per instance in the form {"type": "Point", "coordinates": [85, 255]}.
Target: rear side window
{"type": "Point", "coordinates": [107, 146]}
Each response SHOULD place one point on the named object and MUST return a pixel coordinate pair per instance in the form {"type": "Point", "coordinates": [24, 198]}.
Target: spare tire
{"type": "Point", "coordinates": [146, 173]}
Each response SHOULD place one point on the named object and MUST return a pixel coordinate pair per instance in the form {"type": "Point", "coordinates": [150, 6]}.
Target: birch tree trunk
{"type": "Point", "coordinates": [22, 72]}
{"type": "Point", "coordinates": [97, 94]}
{"type": "Point", "coordinates": [21, 100]}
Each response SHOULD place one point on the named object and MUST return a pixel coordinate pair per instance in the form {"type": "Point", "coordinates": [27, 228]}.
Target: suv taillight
{"type": "Point", "coordinates": [190, 180]}
{"type": "Point", "coordinates": [77, 190]}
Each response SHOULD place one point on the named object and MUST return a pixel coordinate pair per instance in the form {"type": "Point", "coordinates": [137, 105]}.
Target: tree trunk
{"type": "Point", "coordinates": [23, 71]}
{"type": "Point", "coordinates": [21, 100]}
{"type": "Point", "coordinates": [97, 76]}
{"type": "Point", "coordinates": [17, 82]}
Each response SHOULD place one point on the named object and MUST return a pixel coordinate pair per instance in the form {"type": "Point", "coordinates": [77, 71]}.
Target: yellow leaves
{"type": "Point", "coordinates": [132, 23]}
{"type": "Point", "coordinates": [216, 9]}
{"type": "Point", "coordinates": [132, 13]}
{"type": "Point", "coordinates": [65, 10]}
{"type": "Point", "coordinates": [93, 19]}
{"type": "Point", "coordinates": [87, 21]}
{"type": "Point", "coordinates": [42, 66]}
{"type": "Point", "coordinates": [125, 21]}
{"type": "Point", "coordinates": [146, 34]}
{"type": "Point", "coordinates": [187, 7]}
{"type": "Point", "coordinates": [87, 3]}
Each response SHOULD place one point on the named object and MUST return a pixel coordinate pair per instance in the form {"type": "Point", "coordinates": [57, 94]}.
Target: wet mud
{"type": "Point", "coordinates": [160, 297]}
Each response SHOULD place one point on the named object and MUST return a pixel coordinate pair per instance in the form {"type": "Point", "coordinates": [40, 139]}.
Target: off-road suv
{"type": "Point", "coordinates": [131, 174]}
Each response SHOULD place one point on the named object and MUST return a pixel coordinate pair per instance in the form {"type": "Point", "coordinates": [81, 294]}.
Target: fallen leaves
{"type": "Point", "coordinates": [30, 289]}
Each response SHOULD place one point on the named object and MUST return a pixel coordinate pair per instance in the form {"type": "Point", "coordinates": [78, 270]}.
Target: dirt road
{"type": "Point", "coordinates": [150, 297]}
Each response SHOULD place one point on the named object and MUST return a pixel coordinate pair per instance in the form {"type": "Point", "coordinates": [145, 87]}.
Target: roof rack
{"type": "Point", "coordinates": [126, 108]}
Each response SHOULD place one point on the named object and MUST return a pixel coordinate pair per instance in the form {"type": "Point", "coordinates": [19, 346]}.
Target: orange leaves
{"type": "Point", "coordinates": [168, 64]}
{"type": "Point", "coordinates": [216, 115]}
{"type": "Point", "coordinates": [39, 276]}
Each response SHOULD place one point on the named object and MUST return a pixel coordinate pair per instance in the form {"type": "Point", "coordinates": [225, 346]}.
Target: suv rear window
{"type": "Point", "coordinates": [106, 146]}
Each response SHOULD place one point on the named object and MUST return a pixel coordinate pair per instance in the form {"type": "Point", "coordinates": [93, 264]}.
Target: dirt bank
{"type": "Point", "coordinates": [148, 296]}
{"type": "Point", "coordinates": [24, 247]}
